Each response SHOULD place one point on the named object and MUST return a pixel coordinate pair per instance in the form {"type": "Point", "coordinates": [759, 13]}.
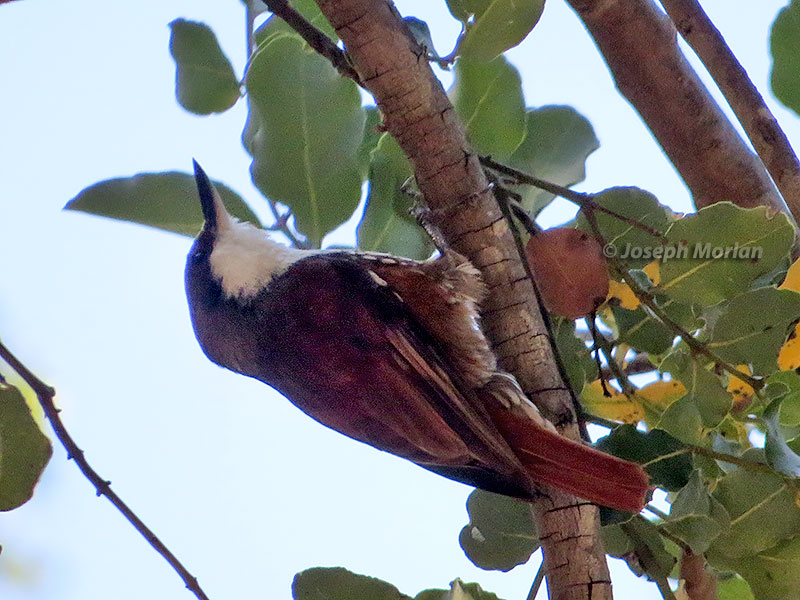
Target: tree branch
{"type": "Point", "coordinates": [416, 110]}
{"type": "Point", "coordinates": [639, 44]}
{"type": "Point", "coordinates": [320, 42]}
{"type": "Point", "coordinates": [759, 123]}
{"type": "Point", "coordinates": [45, 394]}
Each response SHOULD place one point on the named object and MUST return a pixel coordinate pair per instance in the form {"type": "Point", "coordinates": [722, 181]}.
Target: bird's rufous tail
{"type": "Point", "coordinates": [581, 470]}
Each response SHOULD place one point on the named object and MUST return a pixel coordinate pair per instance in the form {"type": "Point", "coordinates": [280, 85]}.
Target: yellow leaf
{"type": "Point", "coordinates": [792, 280]}
{"type": "Point", "coordinates": [741, 391]}
{"type": "Point", "coordinates": [621, 291]}
{"type": "Point", "coordinates": [663, 393]}
{"type": "Point", "coordinates": [618, 407]}
{"type": "Point", "coordinates": [789, 357]}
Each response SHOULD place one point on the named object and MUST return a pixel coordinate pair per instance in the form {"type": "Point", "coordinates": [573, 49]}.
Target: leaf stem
{"type": "Point", "coordinates": [657, 512]}
{"type": "Point", "coordinates": [45, 394]}
{"type": "Point", "coordinates": [586, 201]}
{"type": "Point", "coordinates": [537, 582]}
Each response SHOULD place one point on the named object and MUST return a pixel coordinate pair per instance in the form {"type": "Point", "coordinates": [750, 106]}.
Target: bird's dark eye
{"type": "Point", "coordinates": [199, 255]}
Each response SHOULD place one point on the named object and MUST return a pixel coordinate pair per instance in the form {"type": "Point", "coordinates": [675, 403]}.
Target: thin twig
{"type": "Point", "coordinates": [249, 26]}
{"type": "Point", "coordinates": [502, 196]}
{"type": "Point", "coordinates": [605, 346]}
{"type": "Point", "coordinates": [583, 200]}
{"type": "Point", "coordinates": [45, 394]}
{"type": "Point", "coordinates": [664, 532]}
{"type": "Point", "coordinates": [695, 346]}
{"type": "Point", "coordinates": [537, 582]}
{"type": "Point", "coordinates": [657, 512]}
{"type": "Point", "coordinates": [315, 38]}
{"type": "Point", "coordinates": [757, 120]}
{"type": "Point", "coordinates": [598, 420]}
{"type": "Point", "coordinates": [282, 224]}
{"type": "Point", "coordinates": [636, 366]}
{"type": "Point", "coordinates": [749, 465]}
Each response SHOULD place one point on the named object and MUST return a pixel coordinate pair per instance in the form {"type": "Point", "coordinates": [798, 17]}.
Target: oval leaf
{"type": "Point", "coordinates": [557, 142]}
{"type": "Point", "coordinates": [779, 455]}
{"type": "Point", "coordinates": [336, 583]}
{"type": "Point", "coordinates": [784, 43]}
{"type": "Point", "coordinates": [308, 8]}
{"type": "Point", "coordinates": [745, 336]}
{"type": "Point", "coordinates": [204, 80]}
{"type": "Point", "coordinates": [695, 517]}
{"type": "Point", "coordinates": [387, 225]}
{"type": "Point", "coordinates": [488, 98]}
{"type": "Point", "coordinates": [620, 236]}
{"type": "Point", "coordinates": [24, 449]}
{"type": "Point", "coordinates": [162, 200]}
{"type": "Point", "coordinates": [762, 509]}
{"type": "Point", "coordinates": [500, 534]}
{"type": "Point", "coordinates": [305, 154]}
{"type": "Point", "coordinates": [727, 248]}
{"type": "Point", "coordinates": [496, 26]}
{"type": "Point", "coordinates": [671, 472]}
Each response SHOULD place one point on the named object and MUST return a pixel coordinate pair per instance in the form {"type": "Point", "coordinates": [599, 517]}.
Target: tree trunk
{"type": "Point", "coordinates": [417, 112]}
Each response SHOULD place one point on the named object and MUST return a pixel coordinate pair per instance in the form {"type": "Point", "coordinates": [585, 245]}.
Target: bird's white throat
{"type": "Point", "coordinates": [245, 259]}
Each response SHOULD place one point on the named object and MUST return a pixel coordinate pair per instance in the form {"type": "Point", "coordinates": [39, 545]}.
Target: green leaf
{"type": "Point", "coordinates": [336, 583]}
{"type": "Point", "coordinates": [734, 588]}
{"type": "Point", "coordinates": [647, 556]}
{"type": "Point", "coordinates": [636, 204]}
{"type": "Point", "coordinates": [744, 336]}
{"type": "Point", "coordinates": [275, 25]}
{"type": "Point", "coordinates": [24, 449]}
{"type": "Point", "coordinates": [496, 25]}
{"type": "Point", "coordinates": [641, 331]}
{"type": "Point", "coordinates": [372, 136]}
{"type": "Point", "coordinates": [458, 591]}
{"type": "Point", "coordinates": [162, 200]}
{"type": "Point", "coordinates": [790, 407]}
{"type": "Point", "coordinates": [305, 154]}
{"type": "Point", "coordinates": [704, 390]}
{"type": "Point", "coordinates": [784, 41]}
{"type": "Point", "coordinates": [695, 517]}
{"type": "Point", "coordinates": [762, 509]}
{"type": "Point", "coordinates": [779, 455]}
{"type": "Point", "coordinates": [500, 534]}
{"type": "Point", "coordinates": [555, 148]}
{"type": "Point", "coordinates": [204, 80]}
{"type": "Point", "coordinates": [488, 98]}
{"type": "Point", "coordinates": [682, 420]}
{"type": "Point", "coordinates": [671, 472]}
{"type": "Point", "coordinates": [616, 542]}
{"type": "Point", "coordinates": [387, 225]}
{"type": "Point", "coordinates": [578, 362]}
{"type": "Point", "coordinates": [773, 574]}
{"type": "Point", "coordinates": [463, 9]}
{"type": "Point", "coordinates": [708, 275]}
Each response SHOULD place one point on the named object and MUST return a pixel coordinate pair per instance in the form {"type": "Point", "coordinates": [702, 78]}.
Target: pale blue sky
{"type": "Point", "coordinates": [244, 488]}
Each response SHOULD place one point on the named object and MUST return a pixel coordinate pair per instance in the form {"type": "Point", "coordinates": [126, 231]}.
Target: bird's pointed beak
{"type": "Point", "coordinates": [217, 218]}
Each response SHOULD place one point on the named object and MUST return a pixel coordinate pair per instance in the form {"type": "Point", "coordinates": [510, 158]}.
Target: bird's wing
{"type": "Point", "coordinates": [359, 362]}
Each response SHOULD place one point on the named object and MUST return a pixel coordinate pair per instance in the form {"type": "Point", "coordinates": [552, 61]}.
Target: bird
{"type": "Point", "coordinates": [388, 351]}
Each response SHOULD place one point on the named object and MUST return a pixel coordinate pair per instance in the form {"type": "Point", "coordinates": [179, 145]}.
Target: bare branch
{"type": "Point", "coordinates": [759, 123]}
{"type": "Point", "coordinates": [45, 394]}
{"type": "Point", "coordinates": [639, 44]}
{"type": "Point", "coordinates": [394, 69]}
